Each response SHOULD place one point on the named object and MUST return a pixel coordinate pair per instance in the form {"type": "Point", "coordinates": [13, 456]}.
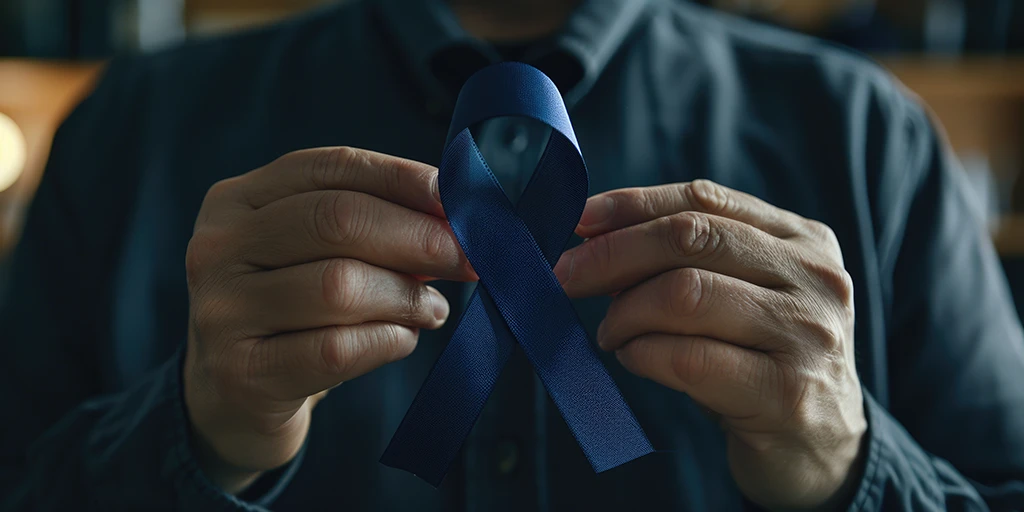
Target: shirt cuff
{"type": "Point", "coordinates": [872, 485]}
{"type": "Point", "coordinates": [194, 490]}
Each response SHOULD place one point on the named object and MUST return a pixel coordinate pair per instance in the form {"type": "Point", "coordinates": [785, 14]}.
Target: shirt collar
{"type": "Point", "coordinates": [442, 55]}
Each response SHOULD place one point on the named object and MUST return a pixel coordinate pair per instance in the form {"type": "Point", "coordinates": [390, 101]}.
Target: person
{"type": "Point", "coordinates": [230, 229]}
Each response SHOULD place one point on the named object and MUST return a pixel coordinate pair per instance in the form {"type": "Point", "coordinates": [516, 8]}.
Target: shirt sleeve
{"type": "Point", "coordinates": [72, 437]}
{"type": "Point", "coordinates": [951, 435]}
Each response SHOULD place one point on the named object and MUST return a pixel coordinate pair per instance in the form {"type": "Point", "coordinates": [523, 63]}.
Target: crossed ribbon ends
{"type": "Point", "coordinates": [518, 299]}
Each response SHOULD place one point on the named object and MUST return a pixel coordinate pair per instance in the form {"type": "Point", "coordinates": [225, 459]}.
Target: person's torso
{"type": "Point", "coordinates": [664, 110]}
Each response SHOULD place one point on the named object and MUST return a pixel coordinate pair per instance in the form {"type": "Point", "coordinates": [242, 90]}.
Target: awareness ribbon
{"type": "Point", "coordinates": [513, 249]}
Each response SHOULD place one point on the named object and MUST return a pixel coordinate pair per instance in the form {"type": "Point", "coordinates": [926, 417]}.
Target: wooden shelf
{"type": "Point", "coordinates": [245, 5]}
{"type": "Point", "coordinates": [212, 16]}
{"type": "Point", "coordinates": [980, 103]}
{"type": "Point", "coordinates": [1009, 236]}
{"type": "Point", "coordinates": [937, 78]}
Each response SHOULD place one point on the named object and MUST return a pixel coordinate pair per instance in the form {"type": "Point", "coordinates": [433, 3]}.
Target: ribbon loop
{"type": "Point", "coordinates": [519, 299]}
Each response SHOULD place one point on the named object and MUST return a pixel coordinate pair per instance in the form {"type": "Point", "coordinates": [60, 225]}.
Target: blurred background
{"type": "Point", "coordinates": [965, 58]}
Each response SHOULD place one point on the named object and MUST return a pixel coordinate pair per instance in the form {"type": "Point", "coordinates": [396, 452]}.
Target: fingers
{"type": "Point", "coordinates": [342, 224]}
{"type": "Point", "coordinates": [336, 292]}
{"type": "Point", "coordinates": [627, 207]}
{"type": "Point", "coordinates": [397, 180]}
{"type": "Point", "coordinates": [296, 365]}
{"type": "Point", "coordinates": [731, 380]}
{"type": "Point", "coordinates": [694, 302]}
{"type": "Point", "coordinates": [613, 261]}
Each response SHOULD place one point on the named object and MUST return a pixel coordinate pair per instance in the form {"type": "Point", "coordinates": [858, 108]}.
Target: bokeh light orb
{"type": "Point", "coordinates": [13, 152]}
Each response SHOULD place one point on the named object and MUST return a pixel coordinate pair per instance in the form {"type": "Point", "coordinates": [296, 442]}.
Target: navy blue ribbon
{"type": "Point", "coordinates": [513, 249]}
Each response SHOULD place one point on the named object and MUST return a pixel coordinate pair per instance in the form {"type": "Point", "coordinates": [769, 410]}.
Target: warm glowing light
{"type": "Point", "coordinates": [12, 152]}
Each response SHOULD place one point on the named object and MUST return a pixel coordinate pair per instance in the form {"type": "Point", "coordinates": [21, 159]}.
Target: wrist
{"type": "Point", "coordinates": [850, 460]}
{"type": "Point", "coordinates": [225, 476]}
{"type": "Point", "coordinates": [854, 473]}
{"type": "Point", "coordinates": [230, 450]}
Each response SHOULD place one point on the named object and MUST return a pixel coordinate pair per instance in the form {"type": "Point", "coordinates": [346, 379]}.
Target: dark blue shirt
{"type": "Point", "coordinates": [659, 91]}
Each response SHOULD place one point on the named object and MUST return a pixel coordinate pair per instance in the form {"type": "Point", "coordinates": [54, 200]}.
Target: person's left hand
{"type": "Point", "coordinates": [746, 308]}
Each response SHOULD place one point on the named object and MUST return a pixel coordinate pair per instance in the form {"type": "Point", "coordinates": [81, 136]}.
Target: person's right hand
{"type": "Point", "coordinates": [301, 275]}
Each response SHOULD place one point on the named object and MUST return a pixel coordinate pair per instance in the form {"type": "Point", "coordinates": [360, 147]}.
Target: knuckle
{"type": "Point", "coordinates": [833, 278]}
{"type": "Point", "coordinates": [342, 283]}
{"type": "Point", "coordinates": [690, 363]}
{"type": "Point", "coordinates": [332, 165]}
{"type": "Point", "coordinates": [340, 351]}
{"type": "Point", "coordinates": [418, 307]}
{"type": "Point", "coordinates": [394, 342]}
{"type": "Point", "coordinates": [707, 196]}
{"type": "Point", "coordinates": [324, 221]}
{"type": "Point", "coordinates": [337, 350]}
{"type": "Point", "coordinates": [394, 176]}
{"type": "Point", "coordinates": [220, 190]}
{"type": "Point", "coordinates": [836, 367]}
{"type": "Point", "coordinates": [821, 231]}
{"type": "Point", "coordinates": [601, 250]}
{"type": "Point", "coordinates": [649, 200]}
{"type": "Point", "coordinates": [422, 175]}
{"type": "Point", "coordinates": [434, 242]}
{"type": "Point", "coordinates": [356, 218]}
{"type": "Point", "coordinates": [826, 334]}
{"type": "Point", "coordinates": [688, 293]}
{"type": "Point", "coordinates": [692, 236]}
{"type": "Point", "coordinates": [341, 219]}
{"type": "Point", "coordinates": [202, 250]}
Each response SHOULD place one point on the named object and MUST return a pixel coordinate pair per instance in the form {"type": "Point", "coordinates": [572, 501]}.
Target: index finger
{"type": "Point", "coordinates": [405, 182]}
{"type": "Point", "coordinates": [617, 209]}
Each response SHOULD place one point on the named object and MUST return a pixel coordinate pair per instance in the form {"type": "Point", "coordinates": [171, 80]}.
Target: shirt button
{"type": "Point", "coordinates": [506, 457]}
{"type": "Point", "coordinates": [517, 139]}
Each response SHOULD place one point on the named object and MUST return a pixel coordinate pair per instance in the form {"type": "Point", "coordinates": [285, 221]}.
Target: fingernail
{"type": "Point", "coordinates": [563, 269]}
{"type": "Point", "coordinates": [600, 335]}
{"type": "Point", "coordinates": [435, 189]}
{"type": "Point", "coordinates": [439, 303]}
{"type": "Point", "coordinates": [621, 355]}
{"type": "Point", "coordinates": [598, 210]}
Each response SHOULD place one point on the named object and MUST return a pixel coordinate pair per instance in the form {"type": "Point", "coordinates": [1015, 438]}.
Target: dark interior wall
{"type": "Point", "coordinates": [11, 27]}
{"type": "Point", "coordinates": [992, 24]}
{"type": "Point", "coordinates": [56, 29]}
{"type": "Point", "coordinates": [941, 26]}
{"type": "Point", "coordinates": [83, 29]}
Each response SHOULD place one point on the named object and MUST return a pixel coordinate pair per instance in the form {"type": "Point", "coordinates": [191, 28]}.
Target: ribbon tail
{"type": "Point", "coordinates": [536, 310]}
{"type": "Point", "coordinates": [577, 381]}
{"type": "Point", "coordinates": [519, 300]}
{"type": "Point", "coordinates": [447, 406]}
